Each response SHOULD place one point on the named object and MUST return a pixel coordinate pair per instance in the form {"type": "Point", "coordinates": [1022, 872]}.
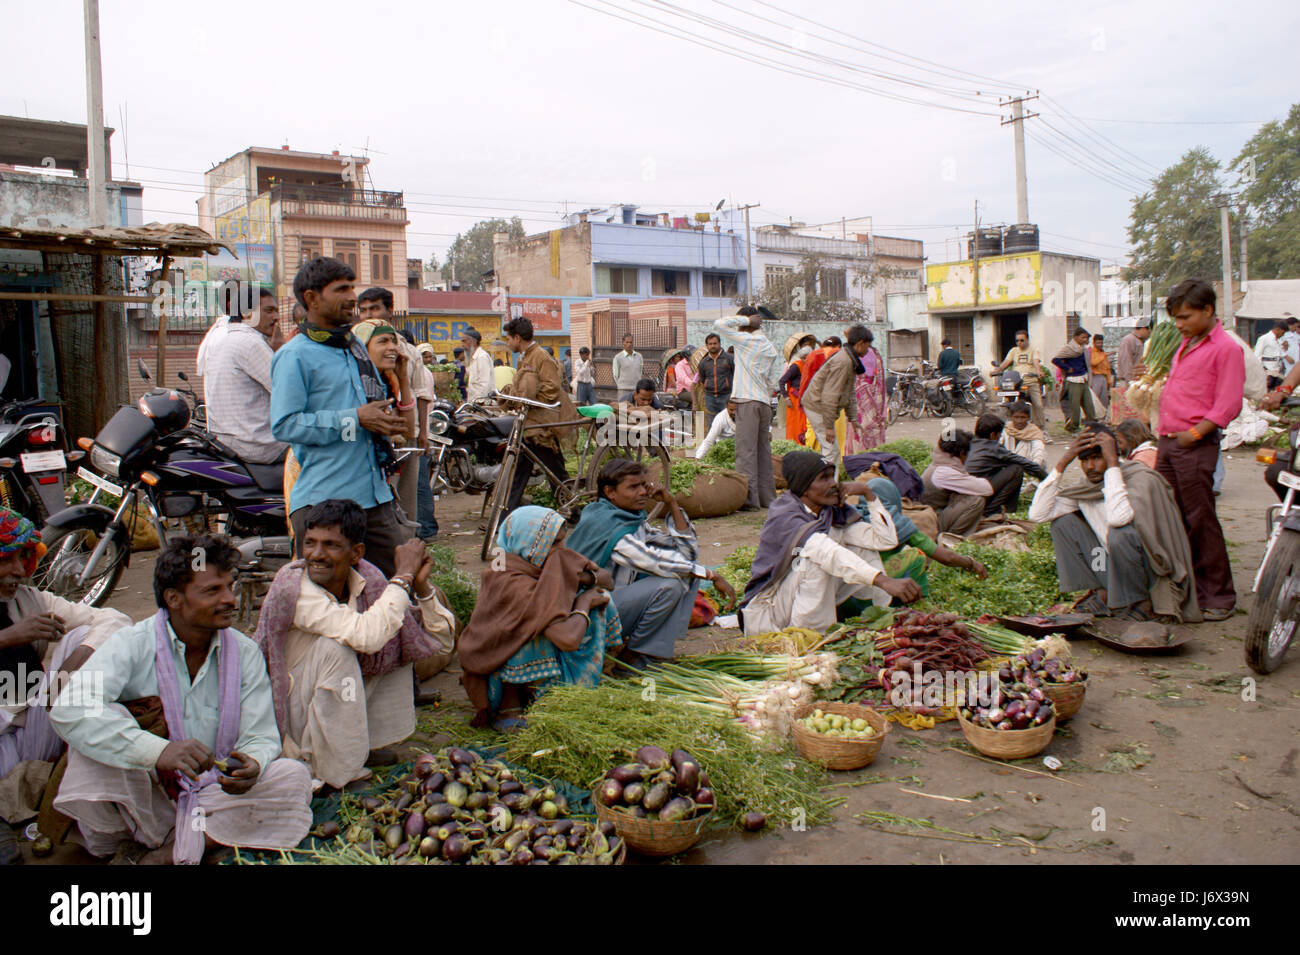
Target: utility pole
{"type": "Point", "coordinates": [1226, 313]}
{"type": "Point", "coordinates": [749, 252]}
{"type": "Point", "coordinates": [1241, 222]}
{"type": "Point", "coordinates": [1018, 117]}
{"type": "Point", "coordinates": [95, 121]}
{"type": "Point", "coordinates": [975, 260]}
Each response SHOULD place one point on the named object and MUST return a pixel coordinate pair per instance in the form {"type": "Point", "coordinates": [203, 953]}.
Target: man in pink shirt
{"type": "Point", "coordinates": [1202, 395]}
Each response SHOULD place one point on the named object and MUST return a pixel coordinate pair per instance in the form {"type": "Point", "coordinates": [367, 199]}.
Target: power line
{"type": "Point", "coordinates": [1072, 161]}
{"type": "Point", "coordinates": [1079, 124]}
{"type": "Point", "coordinates": [1100, 160]}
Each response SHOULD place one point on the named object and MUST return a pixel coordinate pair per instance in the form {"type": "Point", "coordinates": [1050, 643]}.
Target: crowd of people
{"type": "Point", "coordinates": [134, 729]}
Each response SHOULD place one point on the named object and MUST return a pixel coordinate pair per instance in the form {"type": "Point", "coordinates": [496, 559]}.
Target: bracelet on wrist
{"type": "Point", "coordinates": [1285, 389]}
{"type": "Point", "coordinates": [406, 407]}
{"type": "Point", "coordinates": [403, 581]}
{"type": "Point", "coordinates": [581, 613]}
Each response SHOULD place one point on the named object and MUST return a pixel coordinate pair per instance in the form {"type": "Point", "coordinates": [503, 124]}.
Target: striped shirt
{"type": "Point", "coordinates": [758, 366]}
{"type": "Point", "coordinates": [671, 552]}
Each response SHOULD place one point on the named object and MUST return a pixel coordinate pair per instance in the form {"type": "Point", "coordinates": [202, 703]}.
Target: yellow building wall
{"type": "Point", "coordinates": [1004, 280]}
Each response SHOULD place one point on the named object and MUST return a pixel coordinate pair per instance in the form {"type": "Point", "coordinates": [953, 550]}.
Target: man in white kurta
{"type": "Point", "coordinates": [334, 716]}
{"type": "Point", "coordinates": [114, 784]}
{"type": "Point", "coordinates": [815, 552]}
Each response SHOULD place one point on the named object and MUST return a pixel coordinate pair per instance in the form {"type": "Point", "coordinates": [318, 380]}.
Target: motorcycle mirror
{"type": "Point", "coordinates": [182, 376]}
{"type": "Point", "coordinates": [140, 367]}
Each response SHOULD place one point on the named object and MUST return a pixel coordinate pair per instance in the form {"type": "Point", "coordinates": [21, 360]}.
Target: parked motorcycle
{"type": "Point", "coordinates": [186, 480]}
{"type": "Point", "coordinates": [1012, 388]}
{"type": "Point", "coordinates": [33, 459]}
{"type": "Point", "coordinates": [1275, 609]}
{"type": "Point", "coordinates": [466, 447]}
{"type": "Point", "coordinates": [971, 391]}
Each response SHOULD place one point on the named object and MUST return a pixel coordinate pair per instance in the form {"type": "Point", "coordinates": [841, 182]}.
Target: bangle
{"type": "Point", "coordinates": [429, 596]}
{"type": "Point", "coordinates": [583, 614]}
{"type": "Point", "coordinates": [406, 407]}
{"type": "Point", "coordinates": [402, 582]}
{"type": "Point", "coordinates": [1285, 389]}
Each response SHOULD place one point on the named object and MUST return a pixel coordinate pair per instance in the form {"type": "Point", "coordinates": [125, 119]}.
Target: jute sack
{"type": "Point", "coordinates": [715, 494]}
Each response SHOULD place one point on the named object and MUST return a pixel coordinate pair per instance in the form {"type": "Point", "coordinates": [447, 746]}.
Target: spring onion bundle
{"type": "Point", "coordinates": [1158, 356]}
{"type": "Point", "coordinates": [1000, 640]}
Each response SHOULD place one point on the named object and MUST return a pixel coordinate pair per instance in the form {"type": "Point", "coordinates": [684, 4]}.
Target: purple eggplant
{"type": "Point", "coordinates": [629, 773]}
{"type": "Point", "coordinates": [704, 796]}
{"type": "Point", "coordinates": [676, 809]}
{"type": "Point", "coordinates": [654, 757]}
{"type": "Point", "coordinates": [687, 771]}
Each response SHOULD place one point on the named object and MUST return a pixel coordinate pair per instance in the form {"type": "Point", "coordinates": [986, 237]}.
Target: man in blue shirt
{"type": "Point", "coordinates": [328, 402]}
{"type": "Point", "coordinates": [1073, 362]}
{"type": "Point", "coordinates": [949, 360]}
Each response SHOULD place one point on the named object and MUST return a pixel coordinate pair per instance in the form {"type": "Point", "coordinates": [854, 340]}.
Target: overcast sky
{"type": "Point", "coordinates": [502, 107]}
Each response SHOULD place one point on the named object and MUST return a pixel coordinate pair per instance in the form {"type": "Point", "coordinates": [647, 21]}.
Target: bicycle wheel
{"type": "Point", "coordinates": [1275, 606]}
{"type": "Point", "coordinates": [654, 457]}
{"type": "Point", "coordinates": [497, 509]}
{"type": "Point", "coordinates": [916, 402]}
{"type": "Point", "coordinates": [895, 404]}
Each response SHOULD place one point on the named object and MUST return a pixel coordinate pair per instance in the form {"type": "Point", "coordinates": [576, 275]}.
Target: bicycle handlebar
{"type": "Point", "coordinates": [525, 401]}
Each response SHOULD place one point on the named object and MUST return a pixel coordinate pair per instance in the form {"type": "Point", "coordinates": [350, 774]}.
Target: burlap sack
{"type": "Point", "coordinates": [715, 494]}
{"type": "Point", "coordinates": [432, 666]}
{"type": "Point", "coordinates": [923, 516]}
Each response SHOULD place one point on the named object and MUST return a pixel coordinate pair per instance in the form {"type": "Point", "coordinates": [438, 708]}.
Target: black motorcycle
{"type": "Point", "coordinates": [148, 457]}
{"type": "Point", "coordinates": [971, 391]}
{"type": "Point", "coordinates": [33, 459]}
{"type": "Point", "coordinates": [466, 445]}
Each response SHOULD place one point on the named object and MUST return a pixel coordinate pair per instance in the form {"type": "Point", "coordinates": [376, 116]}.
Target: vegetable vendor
{"type": "Point", "coordinates": [145, 740]}
{"type": "Point", "coordinates": [1022, 437]}
{"type": "Point", "coordinates": [724, 426]}
{"type": "Point", "coordinates": [544, 617]}
{"type": "Point", "coordinates": [1118, 534]}
{"type": "Point", "coordinates": [656, 573]}
{"type": "Point", "coordinates": [901, 561]}
{"type": "Point", "coordinates": [957, 496]}
{"type": "Point", "coordinates": [340, 641]}
{"type": "Point", "coordinates": [1004, 470]}
{"type": "Point", "coordinates": [40, 635]}
{"type": "Point", "coordinates": [815, 551]}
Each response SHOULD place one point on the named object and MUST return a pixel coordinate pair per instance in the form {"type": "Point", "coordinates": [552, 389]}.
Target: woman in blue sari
{"type": "Point", "coordinates": [543, 617]}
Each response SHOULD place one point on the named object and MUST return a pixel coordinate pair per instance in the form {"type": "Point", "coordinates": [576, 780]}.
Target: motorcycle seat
{"type": "Point", "coordinates": [269, 477]}
{"type": "Point", "coordinates": [503, 425]}
{"type": "Point", "coordinates": [595, 411]}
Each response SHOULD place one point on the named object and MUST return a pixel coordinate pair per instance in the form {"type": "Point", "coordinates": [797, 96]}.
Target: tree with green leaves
{"type": "Point", "coordinates": [470, 255]}
{"type": "Point", "coordinates": [1174, 228]}
{"type": "Point", "coordinates": [809, 292]}
{"type": "Point", "coordinates": [1268, 168]}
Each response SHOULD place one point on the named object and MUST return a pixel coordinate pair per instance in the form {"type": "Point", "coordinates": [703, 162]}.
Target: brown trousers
{"type": "Point", "coordinates": [1190, 472]}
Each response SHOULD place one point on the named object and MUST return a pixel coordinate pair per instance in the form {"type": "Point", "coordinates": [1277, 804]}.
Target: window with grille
{"type": "Point", "coordinates": [310, 249]}
{"type": "Point", "coordinates": [775, 273]}
{"type": "Point", "coordinates": [669, 282]}
{"type": "Point", "coordinates": [719, 285]}
{"type": "Point", "coordinates": [615, 281]}
{"type": "Point", "coordinates": [832, 282]}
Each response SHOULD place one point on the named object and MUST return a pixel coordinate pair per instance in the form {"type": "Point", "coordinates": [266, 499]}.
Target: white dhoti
{"type": "Point", "coordinates": [110, 804]}
{"type": "Point", "coordinates": [336, 716]}
{"type": "Point", "coordinates": [25, 732]}
{"type": "Point", "coordinates": [829, 570]}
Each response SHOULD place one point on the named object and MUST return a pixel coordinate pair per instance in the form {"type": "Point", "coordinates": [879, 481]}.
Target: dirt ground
{"type": "Point", "coordinates": [1166, 762]}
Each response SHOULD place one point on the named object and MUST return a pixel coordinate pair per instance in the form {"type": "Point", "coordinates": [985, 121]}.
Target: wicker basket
{"type": "Point", "coordinates": [1067, 697]}
{"type": "Point", "coordinates": [835, 752]}
{"type": "Point", "coordinates": [653, 837]}
{"type": "Point", "coordinates": [1008, 744]}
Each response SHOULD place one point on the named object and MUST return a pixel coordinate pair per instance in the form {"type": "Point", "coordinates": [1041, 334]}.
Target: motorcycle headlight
{"type": "Point", "coordinates": [438, 422]}
{"type": "Point", "coordinates": [105, 461]}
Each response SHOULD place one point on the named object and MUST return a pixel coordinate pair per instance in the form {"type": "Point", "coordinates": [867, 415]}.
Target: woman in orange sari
{"type": "Point", "coordinates": [796, 422]}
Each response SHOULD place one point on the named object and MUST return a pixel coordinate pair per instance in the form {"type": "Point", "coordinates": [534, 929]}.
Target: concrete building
{"type": "Point", "coordinates": [625, 253]}
{"type": "Point", "coordinates": [856, 265]}
{"type": "Point", "coordinates": [980, 308]}
{"type": "Point", "coordinates": [304, 204]}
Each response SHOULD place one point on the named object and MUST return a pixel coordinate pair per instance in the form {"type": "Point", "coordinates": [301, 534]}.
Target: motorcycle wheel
{"type": "Point", "coordinates": [1275, 609]}
{"type": "Point", "coordinates": [975, 403]}
{"type": "Point", "coordinates": [67, 550]}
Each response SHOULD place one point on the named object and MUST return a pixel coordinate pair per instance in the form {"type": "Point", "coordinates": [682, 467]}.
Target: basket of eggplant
{"type": "Point", "coordinates": [1064, 682]}
{"type": "Point", "coordinates": [659, 803]}
{"type": "Point", "coordinates": [1018, 722]}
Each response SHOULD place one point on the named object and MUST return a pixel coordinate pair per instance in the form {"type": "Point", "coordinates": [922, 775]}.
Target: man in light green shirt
{"type": "Point", "coordinates": [124, 780]}
{"type": "Point", "coordinates": [1029, 363]}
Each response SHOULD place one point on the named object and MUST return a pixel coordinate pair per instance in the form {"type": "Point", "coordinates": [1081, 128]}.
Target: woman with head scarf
{"type": "Point", "coordinates": [867, 429]}
{"type": "Point", "coordinates": [797, 354]}
{"type": "Point", "coordinates": [380, 340]}
{"type": "Point", "coordinates": [543, 618]}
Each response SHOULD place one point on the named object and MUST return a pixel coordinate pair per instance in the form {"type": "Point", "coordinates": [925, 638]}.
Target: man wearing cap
{"type": "Point", "coordinates": [816, 551]}
{"type": "Point", "coordinates": [40, 634]}
{"type": "Point", "coordinates": [480, 382]}
{"type": "Point", "coordinates": [1073, 362]}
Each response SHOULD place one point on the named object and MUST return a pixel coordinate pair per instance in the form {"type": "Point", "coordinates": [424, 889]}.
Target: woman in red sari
{"type": "Point", "coordinates": [796, 422]}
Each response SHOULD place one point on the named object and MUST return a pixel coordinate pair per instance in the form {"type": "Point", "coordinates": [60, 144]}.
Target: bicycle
{"type": "Point", "coordinates": [571, 494]}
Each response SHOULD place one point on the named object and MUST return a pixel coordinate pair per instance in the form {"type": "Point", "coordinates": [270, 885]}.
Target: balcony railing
{"type": "Point", "coordinates": [334, 202]}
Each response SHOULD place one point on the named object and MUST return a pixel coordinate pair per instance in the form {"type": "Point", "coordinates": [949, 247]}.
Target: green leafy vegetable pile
{"type": "Point", "coordinates": [461, 591]}
{"type": "Point", "coordinates": [913, 450]}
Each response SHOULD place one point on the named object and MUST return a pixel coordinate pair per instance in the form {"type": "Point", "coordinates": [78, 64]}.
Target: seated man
{"type": "Point", "coordinates": [815, 551]}
{"type": "Point", "coordinates": [144, 767]}
{"type": "Point", "coordinates": [656, 573]}
{"type": "Point", "coordinates": [1021, 437]}
{"type": "Point", "coordinates": [958, 498]}
{"type": "Point", "coordinates": [340, 641]}
{"type": "Point", "coordinates": [1004, 470]}
{"type": "Point", "coordinates": [724, 426]}
{"type": "Point", "coordinates": [1118, 534]}
{"type": "Point", "coordinates": [40, 635]}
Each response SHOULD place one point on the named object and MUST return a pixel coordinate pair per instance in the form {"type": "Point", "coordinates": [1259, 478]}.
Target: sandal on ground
{"type": "Point", "coordinates": [1216, 614]}
{"type": "Point", "coordinates": [1093, 602]}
